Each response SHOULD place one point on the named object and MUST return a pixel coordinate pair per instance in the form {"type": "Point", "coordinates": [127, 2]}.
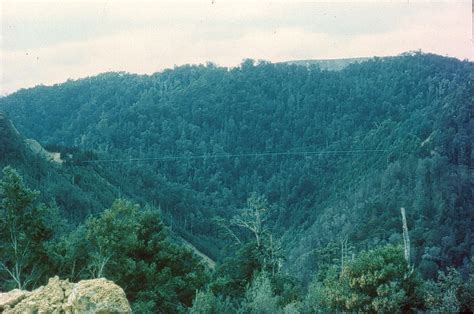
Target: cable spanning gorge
{"type": "Point", "coordinates": [265, 187]}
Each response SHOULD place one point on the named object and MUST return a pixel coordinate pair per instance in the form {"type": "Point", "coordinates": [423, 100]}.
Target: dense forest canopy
{"type": "Point", "coordinates": [357, 144]}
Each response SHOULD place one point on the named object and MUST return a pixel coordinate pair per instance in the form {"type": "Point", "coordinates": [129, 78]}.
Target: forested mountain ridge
{"type": "Point", "coordinates": [11, 144]}
{"type": "Point", "coordinates": [68, 226]}
{"type": "Point", "coordinates": [328, 64]}
{"type": "Point", "coordinates": [391, 132]}
{"type": "Point", "coordinates": [77, 191]}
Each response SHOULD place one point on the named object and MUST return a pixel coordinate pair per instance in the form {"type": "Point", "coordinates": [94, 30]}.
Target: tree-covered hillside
{"type": "Point", "coordinates": [370, 138]}
{"type": "Point", "coordinates": [76, 191]}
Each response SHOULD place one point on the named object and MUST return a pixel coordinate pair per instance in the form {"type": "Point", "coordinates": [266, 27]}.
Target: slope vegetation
{"type": "Point", "coordinates": [373, 137]}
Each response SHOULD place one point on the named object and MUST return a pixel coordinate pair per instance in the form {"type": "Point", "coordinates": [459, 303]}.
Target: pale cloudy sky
{"type": "Point", "coordinates": [50, 42]}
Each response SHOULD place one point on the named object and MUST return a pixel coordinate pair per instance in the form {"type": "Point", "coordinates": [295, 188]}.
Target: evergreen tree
{"type": "Point", "coordinates": [378, 280]}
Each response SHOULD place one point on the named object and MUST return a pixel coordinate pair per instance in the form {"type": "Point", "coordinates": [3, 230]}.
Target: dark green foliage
{"type": "Point", "coordinates": [131, 247]}
{"type": "Point", "coordinates": [10, 145]}
{"type": "Point", "coordinates": [376, 281]}
{"type": "Point", "coordinates": [76, 191]}
{"type": "Point", "coordinates": [415, 110]}
{"type": "Point", "coordinates": [236, 272]}
{"type": "Point", "coordinates": [206, 302]}
{"type": "Point", "coordinates": [450, 293]}
{"type": "Point", "coordinates": [72, 155]}
{"type": "Point", "coordinates": [417, 107]}
{"type": "Point", "coordinates": [70, 255]}
{"type": "Point", "coordinates": [256, 250]}
{"type": "Point", "coordinates": [25, 226]}
{"type": "Point", "coordinates": [126, 244]}
{"type": "Point", "coordinates": [259, 296]}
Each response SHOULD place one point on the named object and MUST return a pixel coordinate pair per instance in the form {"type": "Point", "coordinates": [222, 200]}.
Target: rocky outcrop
{"type": "Point", "coordinates": [98, 296]}
{"type": "Point", "coordinates": [61, 296]}
{"type": "Point", "coordinates": [12, 298]}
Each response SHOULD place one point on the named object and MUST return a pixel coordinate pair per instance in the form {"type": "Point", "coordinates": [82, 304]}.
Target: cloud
{"type": "Point", "coordinates": [154, 36]}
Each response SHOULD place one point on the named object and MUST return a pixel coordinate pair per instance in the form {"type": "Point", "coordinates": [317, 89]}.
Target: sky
{"type": "Point", "coordinates": [50, 42]}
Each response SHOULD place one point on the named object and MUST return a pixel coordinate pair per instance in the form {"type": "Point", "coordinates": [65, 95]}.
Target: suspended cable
{"type": "Point", "coordinates": [216, 156]}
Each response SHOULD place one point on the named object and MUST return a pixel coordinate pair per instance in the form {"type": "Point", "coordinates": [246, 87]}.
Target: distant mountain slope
{"type": "Point", "coordinates": [77, 191]}
{"type": "Point", "coordinates": [390, 132]}
{"type": "Point", "coordinates": [10, 143]}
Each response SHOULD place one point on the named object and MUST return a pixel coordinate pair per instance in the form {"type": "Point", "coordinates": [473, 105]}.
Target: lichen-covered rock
{"type": "Point", "coordinates": [12, 298]}
{"type": "Point", "coordinates": [46, 299]}
{"type": "Point", "coordinates": [98, 296]}
{"type": "Point", "coordinates": [60, 296]}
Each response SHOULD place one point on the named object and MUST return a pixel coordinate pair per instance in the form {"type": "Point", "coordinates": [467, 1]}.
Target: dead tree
{"type": "Point", "coordinates": [406, 237]}
{"type": "Point", "coordinates": [253, 217]}
{"type": "Point", "coordinates": [406, 244]}
{"type": "Point", "coordinates": [343, 250]}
